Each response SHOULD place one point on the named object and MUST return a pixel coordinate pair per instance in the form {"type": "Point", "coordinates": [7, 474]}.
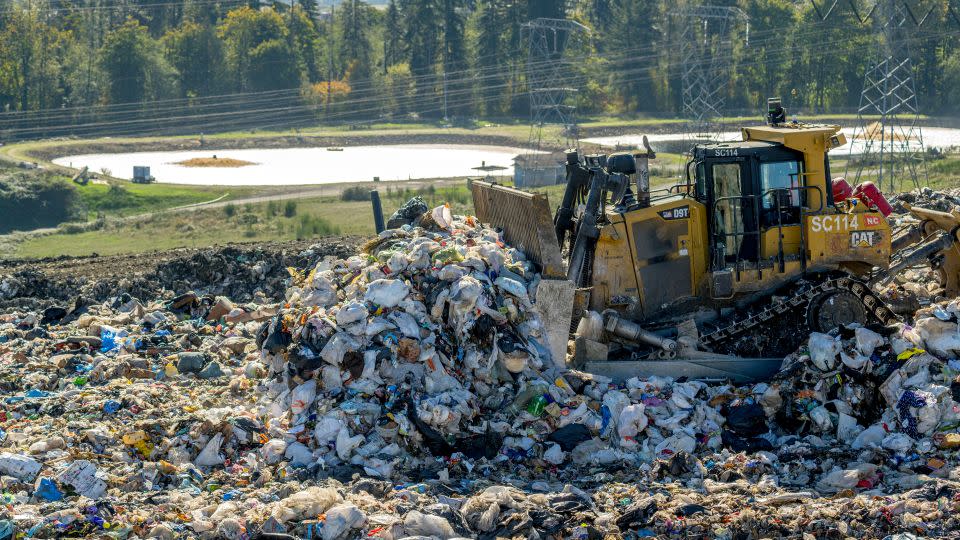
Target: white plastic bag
{"type": "Point", "coordinates": [870, 437]}
{"type": "Point", "coordinates": [273, 450]}
{"type": "Point", "coordinates": [855, 361]}
{"type": "Point", "coordinates": [847, 428]}
{"type": "Point", "coordinates": [900, 443]}
{"type": "Point", "coordinates": [305, 504]}
{"type": "Point", "coordinates": [346, 444]}
{"type": "Point", "coordinates": [406, 323]}
{"type": "Point", "coordinates": [82, 476]}
{"type": "Point", "coordinates": [386, 292]}
{"type": "Point", "coordinates": [823, 351]}
{"type": "Point", "coordinates": [351, 313]}
{"type": "Point", "coordinates": [419, 524]}
{"type": "Point", "coordinates": [397, 262]}
{"type": "Point", "coordinates": [868, 341]}
{"type": "Point", "coordinates": [302, 396]}
{"type": "Point", "coordinates": [632, 421]}
{"type": "Point", "coordinates": [210, 455]}
{"type": "Point", "coordinates": [554, 454]}
{"type": "Point", "coordinates": [679, 442]}
{"type": "Point", "coordinates": [840, 479]}
{"type": "Point", "coordinates": [326, 430]}
{"type": "Point", "coordinates": [322, 291]}
{"type": "Point", "coordinates": [441, 215]}
{"type": "Point", "coordinates": [337, 346]}
{"type": "Point", "coordinates": [298, 454]}
{"type": "Point", "coordinates": [332, 378]}
{"type": "Point", "coordinates": [513, 287]}
{"type": "Point", "coordinates": [821, 419]}
{"type": "Point", "coordinates": [941, 338]}
{"type": "Point", "coordinates": [340, 520]}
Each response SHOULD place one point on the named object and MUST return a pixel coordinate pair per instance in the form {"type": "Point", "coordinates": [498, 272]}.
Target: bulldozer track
{"type": "Point", "coordinates": [874, 305]}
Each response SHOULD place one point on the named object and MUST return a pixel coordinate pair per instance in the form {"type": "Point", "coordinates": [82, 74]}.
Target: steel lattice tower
{"type": "Point", "coordinates": [706, 45]}
{"type": "Point", "coordinates": [887, 127]}
{"type": "Point", "coordinates": [548, 79]}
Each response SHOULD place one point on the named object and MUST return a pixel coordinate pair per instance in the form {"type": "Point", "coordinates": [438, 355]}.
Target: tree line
{"type": "Point", "coordinates": [152, 66]}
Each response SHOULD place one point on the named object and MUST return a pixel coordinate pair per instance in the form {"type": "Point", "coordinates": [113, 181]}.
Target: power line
{"type": "Point", "coordinates": [142, 126]}
{"type": "Point", "coordinates": [364, 84]}
{"type": "Point", "coordinates": [299, 107]}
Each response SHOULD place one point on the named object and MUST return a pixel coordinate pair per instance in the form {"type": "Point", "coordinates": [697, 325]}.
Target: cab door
{"type": "Point", "coordinates": [732, 203]}
{"type": "Point", "coordinates": [781, 195]}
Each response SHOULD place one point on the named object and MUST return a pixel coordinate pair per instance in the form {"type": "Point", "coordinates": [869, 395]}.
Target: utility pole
{"type": "Point", "coordinates": [444, 95]}
{"type": "Point", "coordinates": [330, 26]}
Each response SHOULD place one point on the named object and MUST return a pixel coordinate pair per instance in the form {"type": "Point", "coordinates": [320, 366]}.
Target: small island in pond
{"type": "Point", "coordinates": [214, 162]}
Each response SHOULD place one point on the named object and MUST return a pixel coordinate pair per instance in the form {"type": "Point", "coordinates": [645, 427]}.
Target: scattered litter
{"type": "Point", "coordinates": [407, 390]}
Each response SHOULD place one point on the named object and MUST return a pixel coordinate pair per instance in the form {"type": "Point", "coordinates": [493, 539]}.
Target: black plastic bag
{"type": "Point", "coordinates": [747, 420]}
{"type": "Point", "coordinates": [569, 436]}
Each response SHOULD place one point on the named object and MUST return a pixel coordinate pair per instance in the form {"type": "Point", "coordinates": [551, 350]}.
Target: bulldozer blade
{"type": "Point", "coordinates": [739, 370]}
{"type": "Point", "coordinates": [949, 267]}
{"type": "Point", "coordinates": [526, 221]}
{"type": "Point", "coordinates": [555, 305]}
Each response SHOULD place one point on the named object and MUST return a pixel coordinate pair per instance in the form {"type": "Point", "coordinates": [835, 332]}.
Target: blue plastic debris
{"type": "Point", "coordinates": [7, 529]}
{"type": "Point", "coordinates": [48, 490]}
{"type": "Point", "coordinates": [111, 406]}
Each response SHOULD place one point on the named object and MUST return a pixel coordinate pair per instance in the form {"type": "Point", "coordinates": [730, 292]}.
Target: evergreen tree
{"type": "Point", "coordinates": [547, 9]}
{"type": "Point", "coordinates": [490, 57]}
{"type": "Point", "coordinates": [57, 56]}
{"type": "Point", "coordinates": [312, 10]}
{"type": "Point", "coordinates": [392, 31]}
{"type": "Point", "coordinates": [632, 18]}
{"type": "Point", "coordinates": [515, 51]}
{"type": "Point", "coordinates": [356, 52]}
{"type": "Point", "coordinates": [422, 35]}
{"type": "Point", "coordinates": [304, 38]}
{"type": "Point", "coordinates": [454, 59]}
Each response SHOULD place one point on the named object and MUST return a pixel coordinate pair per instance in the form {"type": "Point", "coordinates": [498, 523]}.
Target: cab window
{"type": "Point", "coordinates": [780, 175]}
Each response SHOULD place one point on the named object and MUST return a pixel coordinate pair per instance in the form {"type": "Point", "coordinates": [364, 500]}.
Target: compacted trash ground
{"type": "Point", "coordinates": [407, 391]}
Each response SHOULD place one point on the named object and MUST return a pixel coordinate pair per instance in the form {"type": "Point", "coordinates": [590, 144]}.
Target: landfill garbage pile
{"type": "Point", "coordinates": [240, 272]}
{"type": "Point", "coordinates": [407, 391]}
{"type": "Point", "coordinates": [942, 201]}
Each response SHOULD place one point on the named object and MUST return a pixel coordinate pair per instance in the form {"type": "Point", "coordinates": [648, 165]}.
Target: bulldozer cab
{"type": "Point", "coordinates": [753, 190]}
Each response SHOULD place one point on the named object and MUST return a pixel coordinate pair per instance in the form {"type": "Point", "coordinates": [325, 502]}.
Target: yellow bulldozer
{"type": "Point", "coordinates": [724, 273]}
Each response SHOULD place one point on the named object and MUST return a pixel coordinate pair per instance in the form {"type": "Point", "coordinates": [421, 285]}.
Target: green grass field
{"type": "Point", "coordinates": [127, 199]}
